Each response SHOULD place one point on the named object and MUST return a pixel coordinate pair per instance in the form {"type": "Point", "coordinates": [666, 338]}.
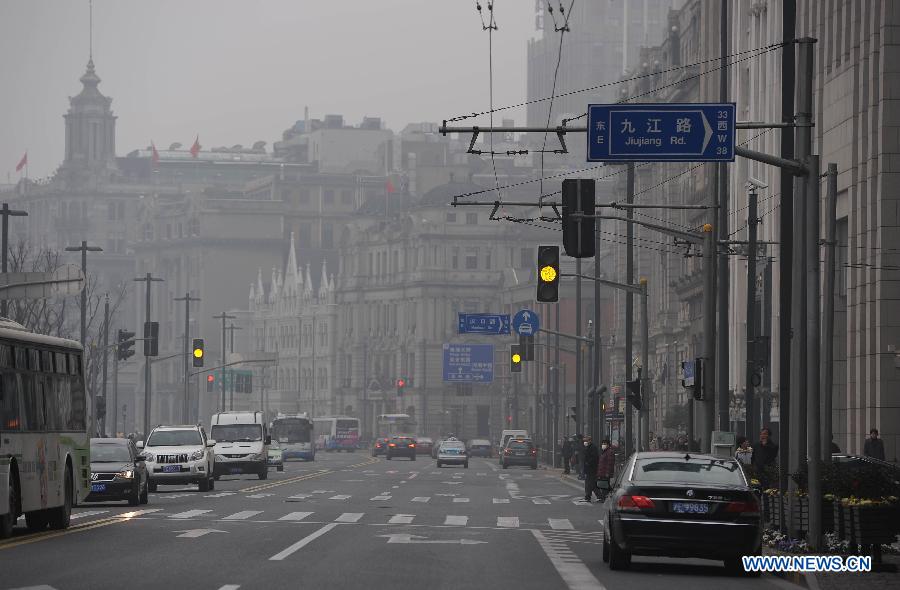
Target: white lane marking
{"type": "Point", "coordinates": [220, 495]}
{"type": "Point", "coordinates": [173, 496]}
{"type": "Point", "coordinates": [303, 542]}
{"type": "Point", "coordinates": [456, 520]}
{"type": "Point", "coordinates": [339, 497]}
{"type": "Point", "coordinates": [323, 491]}
{"type": "Point", "coordinates": [460, 499]}
{"type": "Point", "coordinates": [508, 521]}
{"type": "Point", "coordinates": [195, 533]}
{"type": "Point", "coordinates": [243, 515]}
{"type": "Point", "coordinates": [88, 513]}
{"type": "Point", "coordinates": [395, 487]}
{"type": "Point", "coordinates": [299, 496]}
{"type": "Point", "coordinates": [136, 513]}
{"type": "Point", "coordinates": [452, 483]}
{"type": "Point", "coordinates": [349, 517]}
{"type": "Point", "coordinates": [481, 473]}
{"type": "Point", "coordinates": [257, 496]}
{"type": "Point", "coordinates": [382, 497]}
{"type": "Point", "coordinates": [230, 587]}
{"type": "Point", "coordinates": [421, 498]}
{"type": "Point", "coordinates": [501, 500]}
{"type": "Point", "coordinates": [573, 572]}
{"type": "Point", "coordinates": [541, 501]}
{"type": "Point", "coordinates": [561, 524]}
{"type": "Point", "coordinates": [189, 514]}
{"type": "Point", "coordinates": [402, 519]}
{"type": "Point", "coordinates": [295, 515]}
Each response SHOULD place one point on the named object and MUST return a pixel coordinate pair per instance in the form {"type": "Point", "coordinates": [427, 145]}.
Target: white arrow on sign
{"type": "Point", "coordinates": [194, 533]}
{"type": "Point", "coordinates": [408, 539]}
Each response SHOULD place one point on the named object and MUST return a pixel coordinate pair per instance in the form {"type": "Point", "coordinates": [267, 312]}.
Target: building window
{"type": "Point", "coordinates": [327, 235]}
{"type": "Point", "coordinates": [471, 218]}
{"type": "Point", "coordinates": [303, 196]}
{"type": "Point", "coordinates": [455, 258]}
{"type": "Point", "coordinates": [487, 260]}
{"type": "Point", "coordinates": [327, 197]}
{"type": "Point", "coordinates": [451, 218]}
{"type": "Point", "coordinates": [471, 259]}
{"type": "Point", "coordinates": [526, 259]}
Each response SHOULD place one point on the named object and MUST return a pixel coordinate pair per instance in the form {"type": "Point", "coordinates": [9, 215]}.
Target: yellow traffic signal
{"type": "Point", "coordinates": [515, 359]}
{"type": "Point", "coordinates": [548, 274]}
{"type": "Point", "coordinates": [198, 352]}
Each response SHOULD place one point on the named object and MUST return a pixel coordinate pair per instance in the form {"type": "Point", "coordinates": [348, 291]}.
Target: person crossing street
{"type": "Point", "coordinates": [590, 465]}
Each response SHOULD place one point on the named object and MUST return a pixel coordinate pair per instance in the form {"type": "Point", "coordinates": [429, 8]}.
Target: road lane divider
{"type": "Point", "coordinates": [275, 484]}
{"type": "Point", "coordinates": [75, 528]}
{"type": "Point", "coordinates": [287, 552]}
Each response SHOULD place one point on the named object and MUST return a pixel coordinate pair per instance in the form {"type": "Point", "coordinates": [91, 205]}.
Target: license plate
{"type": "Point", "coordinates": [234, 470]}
{"type": "Point", "coordinates": [98, 487]}
{"type": "Point", "coordinates": [171, 468]}
{"type": "Point", "coordinates": [520, 453]}
{"type": "Point", "coordinates": [690, 507]}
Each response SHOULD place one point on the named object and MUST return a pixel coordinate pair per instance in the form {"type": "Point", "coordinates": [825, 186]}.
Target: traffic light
{"type": "Point", "coordinates": [515, 358]}
{"type": "Point", "coordinates": [578, 233]}
{"type": "Point", "coordinates": [526, 346]}
{"type": "Point", "coordinates": [151, 338]}
{"type": "Point", "coordinates": [198, 352]}
{"type": "Point", "coordinates": [548, 274]}
{"type": "Point", "coordinates": [634, 392]}
{"type": "Point", "coordinates": [401, 385]}
{"type": "Point", "coordinates": [125, 348]}
{"type": "Point", "coordinates": [210, 383]}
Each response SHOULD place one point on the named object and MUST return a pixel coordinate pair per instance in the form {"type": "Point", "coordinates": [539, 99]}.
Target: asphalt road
{"type": "Point", "coordinates": [348, 521]}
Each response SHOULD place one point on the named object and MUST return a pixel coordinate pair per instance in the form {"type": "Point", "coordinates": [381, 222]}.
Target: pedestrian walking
{"type": "Point", "coordinates": [764, 455]}
{"type": "Point", "coordinates": [874, 446]}
{"type": "Point", "coordinates": [578, 456]}
{"type": "Point", "coordinates": [591, 464]}
{"type": "Point", "coordinates": [567, 449]}
{"type": "Point", "coordinates": [606, 468]}
{"type": "Point", "coordinates": [744, 452]}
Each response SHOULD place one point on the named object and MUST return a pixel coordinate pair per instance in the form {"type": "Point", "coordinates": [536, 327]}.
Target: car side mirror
{"type": "Point", "coordinates": [139, 459]}
{"type": "Point", "coordinates": [268, 440]}
{"type": "Point", "coordinates": [210, 443]}
{"type": "Point", "coordinates": [140, 444]}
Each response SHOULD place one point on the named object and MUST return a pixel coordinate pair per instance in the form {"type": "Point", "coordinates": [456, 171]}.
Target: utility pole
{"type": "Point", "coordinates": [579, 366]}
{"type": "Point", "coordinates": [149, 279]}
{"type": "Point", "coordinates": [708, 404]}
{"type": "Point", "coordinates": [6, 212]}
{"type": "Point", "coordinates": [645, 373]}
{"type": "Point", "coordinates": [105, 357]}
{"type": "Point", "coordinates": [813, 325]}
{"type": "Point", "coordinates": [828, 311]}
{"type": "Point", "coordinates": [231, 328]}
{"type": "Point", "coordinates": [721, 232]}
{"type": "Point", "coordinates": [115, 393]}
{"type": "Point", "coordinates": [597, 356]}
{"type": "Point", "coordinates": [185, 408]}
{"type": "Point", "coordinates": [629, 300]}
{"type": "Point", "coordinates": [749, 398]}
{"type": "Point", "coordinates": [84, 249]}
{"type": "Point", "coordinates": [224, 316]}
{"type": "Point", "coordinates": [556, 384]}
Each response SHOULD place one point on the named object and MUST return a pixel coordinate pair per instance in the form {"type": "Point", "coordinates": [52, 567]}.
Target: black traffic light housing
{"type": "Point", "coordinates": [699, 394]}
{"type": "Point", "coordinates": [633, 393]}
{"type": "Point", "coordinates": [401, 385]}
{"type": "Point", "coordinates": [526, 346]}
{"type": "Point", "coordinates": [125, 348]}
{"type": "Point", "coordinates": [548, 274]}
{"type": "Point", "coordinates": [578, 233]}
{"type": "Point", "coordinates": [515, 358]}
{"type": "Point", "coordinates": [210, 383]}
{"type": "Point", "coordinates": [198, 352]}
{"type": "Point", "coordinates": [151, 338]}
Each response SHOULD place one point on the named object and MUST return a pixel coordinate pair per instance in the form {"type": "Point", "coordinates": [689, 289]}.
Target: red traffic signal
{"type": "Point", "coordinates": [210, 378]}
{"type": "Point", "coordinates": [401, 383]}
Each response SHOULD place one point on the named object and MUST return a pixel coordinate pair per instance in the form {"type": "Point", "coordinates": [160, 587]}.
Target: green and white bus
{"type": "Point", "coordinates": [45, 466]}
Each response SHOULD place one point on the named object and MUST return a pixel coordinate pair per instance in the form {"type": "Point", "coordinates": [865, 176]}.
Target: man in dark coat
{"type": "Point", "coordinates": [874, 446]}
{"type": "Point", "coordinates": [567, 449]}
{"type": "Point", "coordinates": [591, 464]}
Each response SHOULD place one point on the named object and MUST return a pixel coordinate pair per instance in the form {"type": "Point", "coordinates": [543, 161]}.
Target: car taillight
{"type": "Point", "coordinates": [391, 445]}
{"type": "Point", "coordinates": [534, 451]}
{"type": "Point", "coordinates": [635, 503]}
{"type": "Point", "coordinates": [412, 445]}
{"type": "Point", "coordinates": [743, 507]}
{"type": "Point", "coordinates": [507, 452]}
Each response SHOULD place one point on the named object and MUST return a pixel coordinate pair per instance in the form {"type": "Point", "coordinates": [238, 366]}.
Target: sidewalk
{"type": "Point", "coordinates": [570, 480]}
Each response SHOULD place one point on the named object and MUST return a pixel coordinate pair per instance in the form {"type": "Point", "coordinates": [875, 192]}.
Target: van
{"type": "Point", "coordinates": [242, 444]}
{"type": "Point", "coordinates": [505, 435]}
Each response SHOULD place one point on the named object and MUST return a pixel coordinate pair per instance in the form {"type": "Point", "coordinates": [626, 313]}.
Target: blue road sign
{"type": "Point", "coordinates": [661, 132]}
{"type": "Point", "coordinates": [526, 323]}
{"type": "Point", "coordinates": [483, 323]}
{"type": "Point", "coordinates": [469, 363]}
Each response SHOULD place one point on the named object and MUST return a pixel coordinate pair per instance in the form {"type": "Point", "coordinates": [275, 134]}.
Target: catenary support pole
{"type": "Point", "coordinates": [707, 410]}
{"type": "Point", "coordinates": [597, 416]}
{"type": "Point", "coordinates": [721, 231]}
{"type": "Point", "coordinates": [828, 311]}
{"type": "Point", "coordinates": [749, 393]}
{"type": "Point", "coordinates": [629, 303]}
{"type": "Point", "coordinates": [148, 381]}
{"type": "Point", "coordinates": [579, 365]}
{"type": "Point", "coordinates": [813, 326]}
{"type": "Point", "coordinates": [105, 363]}
{"type": "Point", "coordinates": [645, 373]}
{"type": "Point", "coordinates": [185, 408]}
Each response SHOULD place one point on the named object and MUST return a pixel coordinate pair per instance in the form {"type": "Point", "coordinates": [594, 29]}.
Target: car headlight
{"type": "Point", "coordinates": [255, 456]}
{"type": "Point", "coordinates": [149, 457]}
{"type": "Point", "coordinates": [127, 474]}
{"type": "Point", "coordinates": [197, 455]}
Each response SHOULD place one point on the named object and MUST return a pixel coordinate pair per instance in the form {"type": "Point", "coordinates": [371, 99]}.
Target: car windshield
{"type": "Point", "coordinates": [402, 441]}
{"type": "Point", "coordinates": [453, 445]}
{"type": "Point", "coordinates": [291, 432]}
{"type": "Point", "coordinates": [693, 471]}
{"type": "Point", "coordinates": [236, 433]}
{"type": "Point", "coordinates": [107, 453]}
{"type": "Point", "coordinates": [174, 438]}
{"type": "Point", "coordinates": [518, 444]}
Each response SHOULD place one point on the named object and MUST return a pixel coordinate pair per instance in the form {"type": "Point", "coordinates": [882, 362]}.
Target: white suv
{"type": "Point", "coordinates": [179, 454]}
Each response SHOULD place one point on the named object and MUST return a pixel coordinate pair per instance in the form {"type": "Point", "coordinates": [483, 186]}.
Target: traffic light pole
{"type": "Point", "coordinates": [629, 301]}
{"type": "Point", "coordinates": [6, 212]}
{"type": "Point", "coordinates": [645, 374]}
{"type": "Point", "coordinates": [115, 393]}
{"type": "Point", "coordinates": [185, 407]}
{"type": "Point", "coordinates": [105, 358]}
{"type": "Point", "coordinates": [223, 316]}
{"type": "Point", "coordinates": [149, 279]}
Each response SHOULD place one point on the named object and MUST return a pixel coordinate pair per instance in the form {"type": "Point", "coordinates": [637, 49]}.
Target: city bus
{"type": "Point", "coordinates": [389, 425]}
{"type": "Point", "coordinates": [294, 433]}
{"type": "Point", "coordinates": [336, 433]}
{"type": "Point", "coordinates": [45, 465]}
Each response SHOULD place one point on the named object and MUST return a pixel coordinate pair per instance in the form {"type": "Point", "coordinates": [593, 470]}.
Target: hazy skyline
{"type": "Point", "coordinates": [235, 72]}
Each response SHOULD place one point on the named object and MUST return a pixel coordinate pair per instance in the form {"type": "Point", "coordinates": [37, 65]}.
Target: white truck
{"type": "Point", "coordinates": [242, 443]}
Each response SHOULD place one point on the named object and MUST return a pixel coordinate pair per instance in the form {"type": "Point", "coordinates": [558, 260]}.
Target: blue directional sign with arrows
{"type": "Point", "coordinates": [526, 323]}
{"type": "Point", "coordinates": [469, 363]}
{"type": "Point", "coordinates": [483, 323]}
{"type": "Point", "coordinates": [661, 132]}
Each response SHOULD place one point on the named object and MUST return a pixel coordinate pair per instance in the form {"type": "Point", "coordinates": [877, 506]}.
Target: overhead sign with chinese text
{"type": "Point", "coordinates": [483, 323]}
{"type": "Point", "coordinates": [667, 132]}
{"type": "Point", "coordinates": [468, 363]}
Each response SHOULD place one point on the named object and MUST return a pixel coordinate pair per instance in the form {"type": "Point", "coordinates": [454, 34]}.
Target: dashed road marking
{"type": "Point", "coordinates": [303, 542]}
{"type": "Point", "coordinates": [460, 499]}
{"type": "Point", "coordinates": [561, 524]}
{"type": "Point", "coordinates": [421, 499]}
{"type": "Point", "coordinates": [501, 501]}
{"type": "Point", "coordinates": [508, 521]}
{"type": "Point", "coordinates": [572, 570]}
{"type": "Point", "coordinates": [243, 515]}
{"type": "Point", "coordinates": [401, 519]}
{"type": "Point", "coordinates": [293, 516]}
{"type": "Point", "coordinates": [349, 517]}
{"type": "Point", "coordinates": [189, 513]}
{"type": "Point", "coordinates": [456, 520]}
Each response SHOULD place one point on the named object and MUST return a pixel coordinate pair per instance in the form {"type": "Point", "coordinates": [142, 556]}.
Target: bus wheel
{"type": "Point", "coordinates": [58, 518]}
{"type": "Point", "coordinates": [8, 520]}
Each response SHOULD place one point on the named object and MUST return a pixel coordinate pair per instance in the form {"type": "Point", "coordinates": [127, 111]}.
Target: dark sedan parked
{"type": "Point", "coordinates": [401, 446]}
{"type": "Point", "coordinates": [117, 472]}
{"type": "Point", "coordinates": [681, 505]}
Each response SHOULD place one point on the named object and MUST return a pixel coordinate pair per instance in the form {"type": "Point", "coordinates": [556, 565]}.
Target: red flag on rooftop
{"type": "Point", "coordinates": [23, 162]}
{"type": "Point", "coordinates": [195, 149]}
{"type": "Point", "coordinates": [389, 187]}
{"type": "Point", "coordinates": [155, 156]}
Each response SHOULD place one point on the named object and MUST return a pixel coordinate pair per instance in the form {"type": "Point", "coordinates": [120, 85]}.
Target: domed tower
{"type": "Point", "coordinates": [90, 131]}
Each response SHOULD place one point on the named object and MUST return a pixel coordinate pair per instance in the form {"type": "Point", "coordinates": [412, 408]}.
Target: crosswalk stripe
{"type": "Point", "coordinates": [256, 496]}
{"type": "Point", "coordinates": [88, 513]}
{"type": "Point", "coordinates": [135, 513]}
{"type": "Point", "coordinates": [421, 498]}
{"type": "Point", "coordinates": [460, 499]}
{"type": "Point", "coordinates": [339, 497]}
{"type": "Point", "coordinates": [243, 515]}
{"type": "Point", "coordinates": [189, 514]}
{"type": "Point", "coordinates": [382, 497]}
{"type": "Point", "coordinates": [220, 495]}
{"type": "Point", "coordinates": [299, 496]}
{"type": "Point", "coordinates": [541, 501]}
{"type": "Point", "coordinates": [501, 500]}
{"type": "Point", "coordinates": [561, 524]}
{"type": "Point", "coordinates": [456, 520]}
{"type": "Point", "coordinates": [508, 521]}
{"type": "Point", "coordinates": [295, 516]}
{"type": "Point", "coordinates": [401, 519]}
{"type": "Point", "coordinates": [349, 517]}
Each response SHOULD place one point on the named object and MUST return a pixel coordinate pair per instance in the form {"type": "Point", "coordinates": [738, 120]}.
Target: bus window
{"type": "Point", "coordinates": [45, 389]}
{"type": "Point", "coordinates": [78, 417]}
{"type": "Point", "coordinates": [60, 364]}
{"type": "Point", "coordinates": [46, 361]}
{"type": "Point", "coordinates": [74, 364]}
{"type": "Point", "coordinates": [9, 403]}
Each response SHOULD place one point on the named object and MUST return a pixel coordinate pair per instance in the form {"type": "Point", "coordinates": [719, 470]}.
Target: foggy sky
{"type": "Point", "coordinates": [238, 71]}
